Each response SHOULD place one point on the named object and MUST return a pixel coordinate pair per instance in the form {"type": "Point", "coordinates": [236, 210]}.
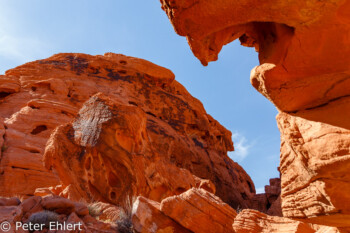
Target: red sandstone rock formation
{"type": "Point", "coordinates": [195, 210]}
{"type": "Point", "coordinates": [169, 127]}
{"type": "Point", "coordinates": [148, 218]}
{"type": "Point", "coordinates": [304, 51]}
{"type": "Point", "coordinates": [315, 165]}
{"type": "Point", "coordinates": [253, 221]}
{"type": "Point", "coordinates": [199, 211]}
{"type": "Point", "coordinates": [270, 201]}
{"type": "Point", "coordinates": [106, 154]}
{"type": "Point", "coordinates": [67, 212]}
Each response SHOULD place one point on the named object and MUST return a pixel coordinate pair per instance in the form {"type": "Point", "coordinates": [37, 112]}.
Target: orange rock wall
{"type": "Point", "coordinates": [270, 201]}
{"type": "Point", "coordinates": [304, 51]}
{"type": "Point", "coordinates": [169, 124]}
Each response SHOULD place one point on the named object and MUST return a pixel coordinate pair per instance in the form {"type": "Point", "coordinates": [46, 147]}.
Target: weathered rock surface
{"type": "Point", "coordinates": [305, 55]}
{"type": "Point", "coordinates": [103, 155]}
{"type": "Point", "coordinates": [199, 211]}
{"type": "Point", "coordinates": [196, 210]}
{"type": "Point", "coordinates": [39, 96]}
{"type": "Point", "coordinates": [147, 218]}
{"type": "Point", "coordinates": [270, 201]}
{"type": "Point", "coordinates": [67, 212]}
{"type": "Point", "coordinates": [250, 221]}
{"type": "Point", "coordinates": [315, 162]}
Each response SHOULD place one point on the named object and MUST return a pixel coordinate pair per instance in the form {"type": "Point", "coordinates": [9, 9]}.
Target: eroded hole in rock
{"type": "Point", "coordinates": [35, 151]}
{"type": "Point", "coordinates": [65, 113]}
{"type": "Point", "coordinates": [4, 95]}
{"type": "Point", "coordinates": [193, 127]}
{"type": "Point", "coordinates": [122, 71]}
{"type": "Point", "coordinates": [267, 38]}
{"type": "Point", "coordinates": [69, 93]}
{"type": "Point", "coordinates": [133, 103]}
{"type": "Point", "coordinates": [42, 87]}
{"type": "Point", "coordinates": [112, 195]}
{"type": "Point", "coordinates": [123, 62]}
{"type": "Point", "coordinates": [33, 107]}
{"type": "Point", "coordinates": [180, 190]}
{"type": "Point", "coordinates": [38, 129]}
{"type": "Point", "coordinates": [248, 41]}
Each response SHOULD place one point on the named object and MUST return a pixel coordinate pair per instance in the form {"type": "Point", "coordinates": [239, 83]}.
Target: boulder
{"type": "Point", "coordinates": [12, 201]}
{"type": "Point", "coordinates": [147, 218]}
{"type": "Point", "coordinates": [199, 211]}
{"type": "Point", "coordinates": [58, 204]}
{"type": "Point", "coordinates": [254, 221]}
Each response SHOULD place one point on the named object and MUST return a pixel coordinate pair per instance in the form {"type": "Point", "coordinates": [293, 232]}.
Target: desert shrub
{"type": "Point", "coordinates": [94, 210]}
{"type": "Point", "coordinates": [124, 222]}
{"type": "Point", "coordinates": [44, 217]}
{"type": "Point", "coordinates": [239, 209]}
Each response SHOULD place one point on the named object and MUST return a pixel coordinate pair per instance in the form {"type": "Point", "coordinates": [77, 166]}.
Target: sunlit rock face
{"type": "Point", "coordinates": [105, 155]}
{"type": "Point", "coordinates": [149, 116]}
{"type": "Point", "coordinates": [253, 221]}
{"type": "Point", "coordinates": [304, 51]}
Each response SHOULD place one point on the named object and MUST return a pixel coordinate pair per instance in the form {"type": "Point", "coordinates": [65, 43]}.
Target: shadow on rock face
{"type": "Point", "coordinates": [304, 54]}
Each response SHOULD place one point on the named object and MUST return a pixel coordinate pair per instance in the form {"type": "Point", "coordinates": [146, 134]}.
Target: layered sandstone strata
{"type": "Point", "coordinates": [270, 201]}
{"type": "Point", "coordinates": [195, 210]}
{"type": "Point", "coordinates": [199, 211]}
{"type": "Point", "coordinates": [253, 221]}
{"type": "Point", "coordinates": [168, 126]}
{"type": "Point", "coordinates": [304, 51]}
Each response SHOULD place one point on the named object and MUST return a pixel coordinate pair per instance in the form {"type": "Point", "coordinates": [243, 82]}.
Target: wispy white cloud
{"type": "Point", "coordinates": [17, 45]}
{"type": "Point", "coordinates": [18, 48]}
{"type": "Point", "coordinates": [242, 147]}
{"type": "Point", "coordinates": [260, 190]}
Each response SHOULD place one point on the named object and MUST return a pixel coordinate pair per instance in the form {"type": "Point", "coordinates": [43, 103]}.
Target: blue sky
{"type": "Point", "coordinates": [36, 29]}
